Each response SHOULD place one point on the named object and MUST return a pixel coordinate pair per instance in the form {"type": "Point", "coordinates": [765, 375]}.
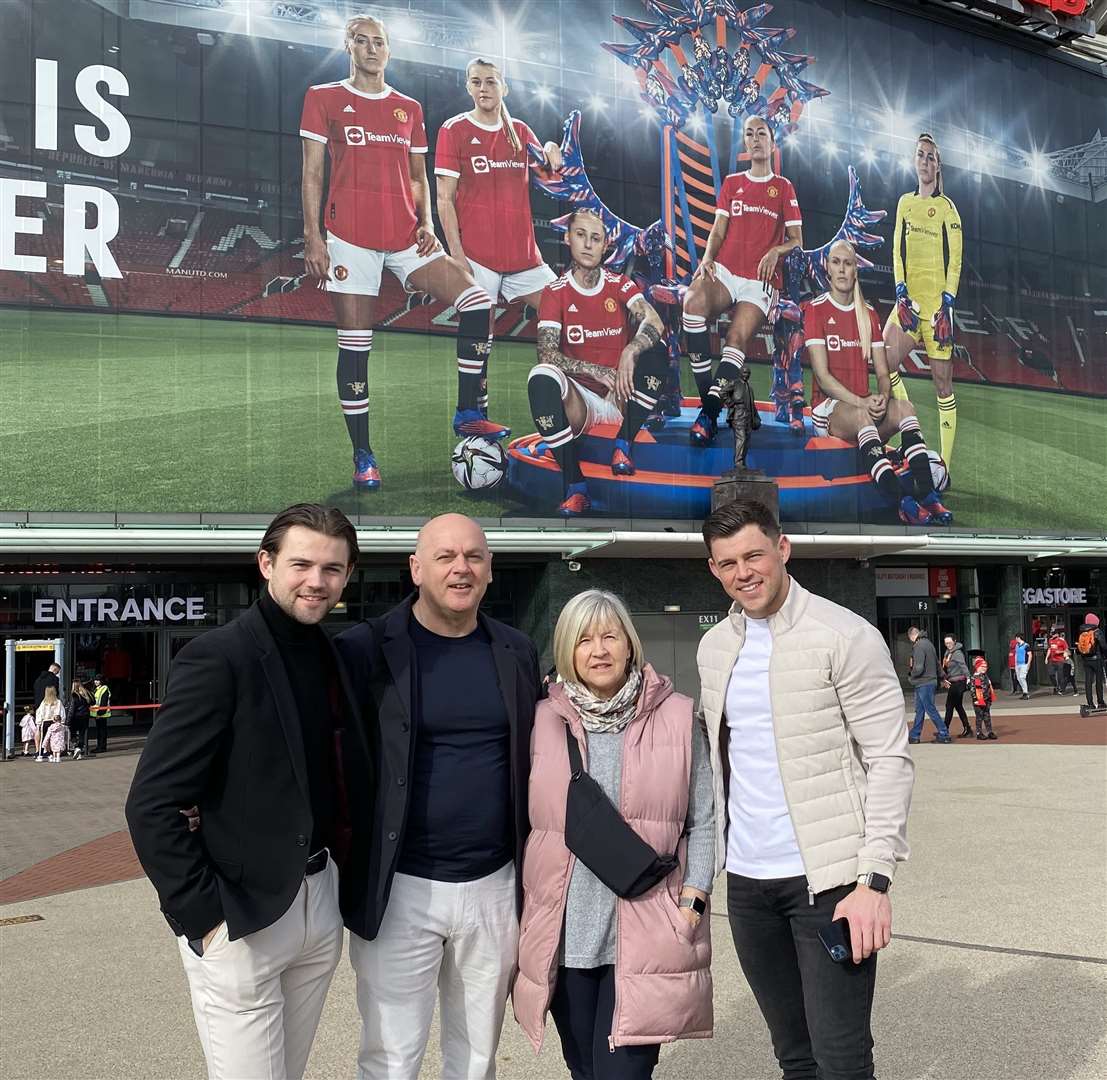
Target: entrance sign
{"type": "Point", "coordinates": [102, 610]}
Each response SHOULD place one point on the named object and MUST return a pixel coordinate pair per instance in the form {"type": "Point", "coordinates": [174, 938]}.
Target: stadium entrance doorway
{"type": "Point", "coordinates": [127, 661]}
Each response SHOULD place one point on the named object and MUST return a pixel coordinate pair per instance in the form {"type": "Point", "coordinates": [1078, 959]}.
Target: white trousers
{"type": "Point", "coordinates": [454, 941]}
{"type": "Point", "coordinates": [1020, 674]}
{"type": "Point", "coordinates": [257, 1000]}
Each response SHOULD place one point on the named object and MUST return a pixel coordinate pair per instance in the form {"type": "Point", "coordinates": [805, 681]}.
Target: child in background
{"type": "Point", "coordinates": [28, 730]}
{"type": "Point", "coordinates": [983, 694]}
{"type": "Point", "coordinates": [57, 739]}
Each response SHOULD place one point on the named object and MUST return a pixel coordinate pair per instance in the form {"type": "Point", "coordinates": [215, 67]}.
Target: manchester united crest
{"type": "Point", "coordinates": [931, 212]}
{"type": "Point", "coordinates": [400, 114]}
{"type": "Point", "coordinates": [341, 273]}
{"type": "Point", "coordinates": [609, 305]}
{"type": "Point", "coordinates": [774, 191]}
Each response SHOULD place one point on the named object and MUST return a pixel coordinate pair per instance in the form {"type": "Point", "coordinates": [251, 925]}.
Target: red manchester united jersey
{"type": "Point", "coordinates": [493, 191]}
{"type": "Point", "coordinates": [834, 326]}
{"type": "Point", "coordinates": [369, 137]}
{"type": "Point", "coordinates": [759, 209]}
{"type": "Point", "coordinates": [593, 322]}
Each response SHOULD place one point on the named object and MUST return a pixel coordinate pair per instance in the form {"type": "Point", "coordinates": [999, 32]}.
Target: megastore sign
{"type": "Point", "coordinates": [1054, 596]}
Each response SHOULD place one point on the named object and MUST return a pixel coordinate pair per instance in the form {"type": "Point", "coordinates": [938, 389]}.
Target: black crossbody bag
{"type": "Point", "coordinates": [598, 835]}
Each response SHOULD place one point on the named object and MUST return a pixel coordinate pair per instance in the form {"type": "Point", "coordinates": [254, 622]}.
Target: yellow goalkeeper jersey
{"type": "Point", "coordinates": [926, 248]}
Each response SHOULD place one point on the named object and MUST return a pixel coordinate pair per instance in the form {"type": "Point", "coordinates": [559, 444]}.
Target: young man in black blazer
{"type": "Point", "coordinates": [432, 901]}
{"type": "Point", "coordinates": [259, 730]}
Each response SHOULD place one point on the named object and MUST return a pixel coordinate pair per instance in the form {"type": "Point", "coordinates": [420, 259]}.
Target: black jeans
{"type": "Point", "coordinates": [101, 734]}
{"type": "Point", "coordinates": [1057, 675]}
{"type": "Point", "coordinates": [819, 1012]}
{"type": "Point", "coordinates": [1093, 672]}
{"type": "Point", "coordinates": [954, 695]}
{"type": "Point", "coordinates": [582, 1008]}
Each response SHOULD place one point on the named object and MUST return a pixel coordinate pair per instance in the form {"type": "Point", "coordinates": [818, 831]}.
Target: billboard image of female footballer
{"type": "Point", "coordinates": [757, 222]}
{"type": "Point", "coordinates": [842, 335]}
{"type": "Point", "coordinates": [926, 258]}
{"type": "Point", "coordinates": [377, 216]}
{"type": "Point", "coordinates": [482, 171]}
{"type": "Point", "coordinates": [600, 360]}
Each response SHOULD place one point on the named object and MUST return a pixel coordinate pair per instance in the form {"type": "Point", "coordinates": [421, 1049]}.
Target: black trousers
{"type": "Point", "coordinates": [101, 734]}
{"type": "Point", "coordinates": [79, 735]}
{"type": "Point", "coordinates": [819, 1012]}
{"type": "Point", "coordinates": [1093, 672]}
{"type": "Point", "coordinates": [582, 1008]}
{"type": "Point", "coordinates": [954, 696]}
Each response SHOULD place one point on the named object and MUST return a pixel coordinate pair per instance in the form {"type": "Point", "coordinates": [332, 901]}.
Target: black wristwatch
{"type": "Point", "coordinates": [876, 882]}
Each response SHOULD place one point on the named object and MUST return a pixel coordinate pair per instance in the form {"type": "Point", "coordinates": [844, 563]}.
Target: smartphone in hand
{"type": "Point", "coordinates": [836, 940]}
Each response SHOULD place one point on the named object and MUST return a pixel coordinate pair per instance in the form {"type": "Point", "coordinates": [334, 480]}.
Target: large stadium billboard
{"type": "Point", "coordinates": [165, 348]}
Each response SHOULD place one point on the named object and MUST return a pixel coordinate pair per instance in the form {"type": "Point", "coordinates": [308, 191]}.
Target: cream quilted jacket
{"type": "Point", "coordinates": [840, 735]}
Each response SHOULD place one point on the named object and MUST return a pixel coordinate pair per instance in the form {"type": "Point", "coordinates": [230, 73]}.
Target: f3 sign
{"type": "Point", "coordinates": [79, 237]}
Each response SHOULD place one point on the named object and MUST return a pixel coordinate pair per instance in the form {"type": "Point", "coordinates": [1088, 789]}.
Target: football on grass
{"type": "Point", "coordinates": [479, 464]}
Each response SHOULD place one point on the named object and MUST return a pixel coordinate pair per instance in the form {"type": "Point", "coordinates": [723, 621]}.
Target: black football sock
{"type": "Point", "coordinates": [876, 464]}
{"type": "Point", "coordinates": [546, 388]}
{"type": "Point", "coordinates": [697, 343]}
{"type": "Point", "coordinates": [649, 378]}
{"type": "Point", "coordinates": [729, 370]}
{"type": "Point", "coordinates": [913, 445]}
{"type": "Point", "coordinates": [353, 383]}
{"type": "Point", "coordinates": [473, 345]}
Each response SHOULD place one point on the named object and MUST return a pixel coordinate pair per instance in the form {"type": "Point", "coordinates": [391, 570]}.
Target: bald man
{"type": "Point", "coordinates": [432, 897]}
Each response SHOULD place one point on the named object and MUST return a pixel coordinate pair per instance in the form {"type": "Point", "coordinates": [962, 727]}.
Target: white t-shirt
{"type": "Point", "coordinates": [761, 842]}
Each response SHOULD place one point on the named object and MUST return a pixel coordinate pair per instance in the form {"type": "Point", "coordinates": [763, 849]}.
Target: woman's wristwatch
{"type": "Point", "coordinates": [696, 903]}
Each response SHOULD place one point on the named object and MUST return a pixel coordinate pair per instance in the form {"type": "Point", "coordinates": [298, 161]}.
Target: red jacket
{"type": "Point", "coordinates": [983, 692]}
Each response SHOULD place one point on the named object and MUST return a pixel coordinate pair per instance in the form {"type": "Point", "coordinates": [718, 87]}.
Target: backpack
{"type": "Point", "coordinates": [1085, 643]}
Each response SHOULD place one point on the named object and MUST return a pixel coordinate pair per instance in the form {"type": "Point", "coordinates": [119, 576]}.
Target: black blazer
{"type": "Point", "coordinates": [380, 660]}
{"type": "Point", "coordinates": [228, 739]}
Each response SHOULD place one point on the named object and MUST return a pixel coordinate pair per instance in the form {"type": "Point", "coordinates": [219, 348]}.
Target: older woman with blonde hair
{"type": "Point", "coordinates": [622, 972]}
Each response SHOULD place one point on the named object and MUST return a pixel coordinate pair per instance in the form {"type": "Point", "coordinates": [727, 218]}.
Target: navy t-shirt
{"type": "Point", "coordinates": [459, 810]}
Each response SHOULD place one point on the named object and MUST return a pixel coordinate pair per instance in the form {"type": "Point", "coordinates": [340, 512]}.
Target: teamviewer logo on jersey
{"type": "Point", "coordinates": [355, 136]}
{"type": "Point", "coordinates": [833, 342]}
{"type": "Point", "coordinates": [480, 164]}
{"type": "Point", "coordinates": [735, 207]}
{"type": "Point", "coordinates": [574, 335]}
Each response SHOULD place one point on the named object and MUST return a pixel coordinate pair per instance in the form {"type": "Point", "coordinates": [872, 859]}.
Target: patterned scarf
{"type": "Point", "coordinates": [610, 716]}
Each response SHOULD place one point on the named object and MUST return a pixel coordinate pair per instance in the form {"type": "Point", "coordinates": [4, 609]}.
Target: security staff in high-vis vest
{"type": "Point", "coordinates": [101, 712]}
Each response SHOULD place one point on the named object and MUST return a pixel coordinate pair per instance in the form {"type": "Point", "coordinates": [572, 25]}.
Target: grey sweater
{"type": "Point", "coordinates": [924, 662]}
{"type": "Point", "coordinates": [955, 663]}
{"type": "Point", "coordinates": [589, 930]}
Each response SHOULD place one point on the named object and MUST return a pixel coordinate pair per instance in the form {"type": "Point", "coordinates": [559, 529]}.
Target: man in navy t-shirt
{"type": "Point", "coordinates": [432, 896]}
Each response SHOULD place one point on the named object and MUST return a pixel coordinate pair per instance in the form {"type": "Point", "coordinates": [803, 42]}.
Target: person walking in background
{"type": "Point", "coordinates": [955, 670]}
{"type": "Point", "coordinates": [923, 676]}
{"type": "Point", "coordinates": [1024, 657]}
{"type": "Point", "coordinates": [813, 783]}
{"type": "Point", "coordinates": [1092, 648]}
{"type": "Point", "coordinates": [584, 945]}
{"type": "Point", "coordinates": [50, 710]}
{"type": "Point", "coordinates": [43, 680]}
{"type": "Point", "coordinates": [1070, 672]}
{"type": "Point", "coordinates": [983, 694]}
{"type": "Point", "coordinates": [29, 731]}
{"type": "Point", "coordinates": [1056, 652]}
{"type": "Point", "coordinates": [101, 712]}
{"type": "Point", "coordinates": [80, 706]}
{"type": "Point", "coordinates": [56, 740]}
{"type": "Point", "coordinates": [1011, 666]}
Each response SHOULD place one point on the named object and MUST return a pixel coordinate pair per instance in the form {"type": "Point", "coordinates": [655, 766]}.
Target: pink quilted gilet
{"type": "Point", "coordinates": [663, 966]}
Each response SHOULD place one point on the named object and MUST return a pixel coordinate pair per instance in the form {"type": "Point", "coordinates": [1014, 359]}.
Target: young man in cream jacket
{"type": "Point", "coordinates": [804, 715]}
